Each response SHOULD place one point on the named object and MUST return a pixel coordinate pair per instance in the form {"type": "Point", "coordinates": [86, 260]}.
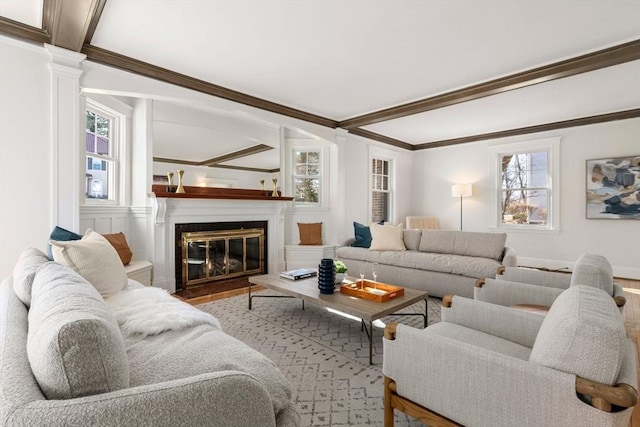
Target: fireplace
{"type": "Point", "coordinates": [212, 252]}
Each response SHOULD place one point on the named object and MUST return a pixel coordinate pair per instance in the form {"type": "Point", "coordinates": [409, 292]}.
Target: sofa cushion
{"type": "Point", "coordinates": [484, 245]}
{"type": "Point", "coordinates": [583, 334]}
{"type": "Point", "coordinates": [74, 345]}
{"type": "Point", "coordinates": [593, 270]}
{"type": "Point", "coordinates": [61, 235]}
{"type": "Point", "coordinates": [119, 243]}
{"type": "Point", "coordinates": [95, 259]}
{"type": "Point", "coordinates": [25, 271]}
{"type": "Point", "coordinates": [387, 238]}
{"type": "Point", "coordinates": [412, 239]}
{"type": "Point", "coordinates": [443, 263]}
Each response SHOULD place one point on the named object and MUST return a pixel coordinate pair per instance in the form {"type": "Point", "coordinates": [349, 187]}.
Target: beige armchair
{"type": "Point", "coordinates": [489, 365]}
{"type": "Point", "coordinates": [536, 290]}
{"type": "Point", "coordinates": [422, 223]}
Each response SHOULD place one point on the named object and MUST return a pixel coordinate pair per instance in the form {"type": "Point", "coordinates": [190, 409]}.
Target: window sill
{"type": "Point", "coordinates": [525, 229]}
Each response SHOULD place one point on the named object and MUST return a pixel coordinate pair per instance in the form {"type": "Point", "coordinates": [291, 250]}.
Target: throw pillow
{"type": "Point", "coordinates": [95, 259]}
{"type": "Point", "coordinates": [74, 344]}
{"type": "Point", "coordinates": [387, 238]}
{"type": "Point", "coordinates": [24, 272]}
{"type": "Point", "coordinates": [311, 233]}
{"type": "Point", "coordinates": [362, 234]}
{"type": "Point", "coordinates": [60, 234]}
{"type": "Point", "coordinates": [119, 243]}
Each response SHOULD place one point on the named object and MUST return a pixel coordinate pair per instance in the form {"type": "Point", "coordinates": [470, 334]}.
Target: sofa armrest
{"type": "Point", "coordinates": [507, 293]}
{"type": "Point", "coordinates": [509, 257]}
{"type": "Point", "coordinates": [229, 398]}
{"type": "Point", "coordinates": [477, 386]}
{"type": "Point", "coordinates": [513, 325]}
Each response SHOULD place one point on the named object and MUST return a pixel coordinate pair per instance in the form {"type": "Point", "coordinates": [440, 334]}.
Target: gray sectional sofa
{"type": "Point", "coordinates": [439, 262]}
{"type": "Point", "coordinates": [65, 361]}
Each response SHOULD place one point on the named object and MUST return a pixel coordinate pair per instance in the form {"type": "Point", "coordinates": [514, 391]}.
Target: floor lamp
{"type": "Point", "coordinates": [461, 190]}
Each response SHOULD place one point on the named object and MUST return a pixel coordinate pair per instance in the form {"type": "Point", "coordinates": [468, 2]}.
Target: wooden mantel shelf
{"type": "Point", "coordinates": [216, 193]}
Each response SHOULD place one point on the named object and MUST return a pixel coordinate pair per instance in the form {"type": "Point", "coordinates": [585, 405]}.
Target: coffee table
{"type": "Point", "coordinates": [366, 310]}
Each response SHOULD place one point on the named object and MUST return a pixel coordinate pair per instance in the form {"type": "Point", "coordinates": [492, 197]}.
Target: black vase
{"type": "Point", "coordinates": [326, 276]}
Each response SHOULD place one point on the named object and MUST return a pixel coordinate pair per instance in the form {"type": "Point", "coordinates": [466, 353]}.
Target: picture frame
{"type": "Point", "coordinates": [613, 188]}
{"type": "Point", "coordinates": [160, 179]}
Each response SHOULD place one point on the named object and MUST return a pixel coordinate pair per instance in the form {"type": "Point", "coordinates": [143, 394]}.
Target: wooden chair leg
{"type": "Point", "coordinates": [388, 409]}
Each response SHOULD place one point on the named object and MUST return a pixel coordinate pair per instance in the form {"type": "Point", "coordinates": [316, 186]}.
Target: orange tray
{"type": "Point", "coordinates": [380, 292]}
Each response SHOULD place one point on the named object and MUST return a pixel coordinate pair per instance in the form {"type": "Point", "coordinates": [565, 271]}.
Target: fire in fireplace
{"type": "Point", "coordinates": [209, 252]}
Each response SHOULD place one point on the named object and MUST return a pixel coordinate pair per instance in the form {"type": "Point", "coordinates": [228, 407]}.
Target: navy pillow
{"type": "Point", "coordinates": [62, 235]}
{"type": "Point", "coordinates": [362, 234]}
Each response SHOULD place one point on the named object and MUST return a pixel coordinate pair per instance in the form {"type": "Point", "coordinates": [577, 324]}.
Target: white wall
{"type": "Point", "coordinates": [436, 169]}
{"type": "Point", "coordinates": [25, 153]}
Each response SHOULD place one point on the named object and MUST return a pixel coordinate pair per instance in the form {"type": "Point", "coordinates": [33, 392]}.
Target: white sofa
{"type": "Point", "coordinates": [439, 262]}
{"type": "Point", "coordinates": [66, 361]}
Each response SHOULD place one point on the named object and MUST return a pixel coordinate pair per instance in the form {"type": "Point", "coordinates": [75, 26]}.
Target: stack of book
{"type": "Point", "coordinates": [299, 273]}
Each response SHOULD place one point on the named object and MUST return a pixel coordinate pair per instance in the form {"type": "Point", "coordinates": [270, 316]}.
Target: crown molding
{"type": "Point", "coordinates": [237, 154]}
{"type": "Point", "coordinates": [611, 56]}
{"type": "Point", "coordinates": [381, 138]}
{"type": "Point", "coordinates": [23, 31]}
{"type": "Point", "coordinates": [71, 22]}
{"type": "Point", "coordinates": [582, 121]}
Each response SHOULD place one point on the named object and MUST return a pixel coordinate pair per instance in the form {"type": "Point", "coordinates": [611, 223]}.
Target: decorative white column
{"type": "Point", "coordinates": [66, 141]}
{"type": "Point", "coordinates": [339, 188]}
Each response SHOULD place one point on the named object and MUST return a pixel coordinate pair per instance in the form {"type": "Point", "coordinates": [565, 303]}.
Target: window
{"type": "Point", "coordinates": [380, 190]}
{"type": "Point", "coordinates": [307, 177]}
{"type": "Point", "coordinates": [101, 149]}
{"type": "Point", "coordinates": [526, 193]}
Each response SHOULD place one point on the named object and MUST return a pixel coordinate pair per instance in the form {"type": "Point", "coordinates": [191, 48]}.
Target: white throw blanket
{"type": "Point", "coordinates": [150, 311]}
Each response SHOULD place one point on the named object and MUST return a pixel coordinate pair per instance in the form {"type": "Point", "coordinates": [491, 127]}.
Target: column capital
{"type": "Point", "coordinates": [64, 57]}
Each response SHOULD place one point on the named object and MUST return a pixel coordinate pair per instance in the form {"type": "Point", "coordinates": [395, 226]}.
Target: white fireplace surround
{"type": "Point", "coordinates": [167, 212]}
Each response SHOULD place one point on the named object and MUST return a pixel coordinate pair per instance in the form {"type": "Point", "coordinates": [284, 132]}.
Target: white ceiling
{"type": "Point", "coordinates": [340, 59]}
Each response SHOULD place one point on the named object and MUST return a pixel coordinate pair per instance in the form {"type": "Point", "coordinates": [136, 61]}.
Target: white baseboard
{"type": "Point", "coordinates": [622, 272]}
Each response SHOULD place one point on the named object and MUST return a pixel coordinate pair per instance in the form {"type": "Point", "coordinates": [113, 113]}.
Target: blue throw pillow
{"type": "Point", "coordinates": [61, 235]}
{"type": "Point", "coordinates": [362, 234]}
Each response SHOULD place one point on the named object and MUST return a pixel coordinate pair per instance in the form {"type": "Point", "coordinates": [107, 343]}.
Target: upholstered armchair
{"type": "Point", "coordinates": [536, 290]}
{"type": "Point", "coordinates": [490, 365]}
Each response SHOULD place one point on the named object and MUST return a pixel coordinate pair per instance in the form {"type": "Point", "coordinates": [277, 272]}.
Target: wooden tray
{"type": "Point", "coordinates": [381, 292]}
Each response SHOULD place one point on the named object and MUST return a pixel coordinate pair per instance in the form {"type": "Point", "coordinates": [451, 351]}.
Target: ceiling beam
{"type": "Point", "coordinates": [582, 121]}
{"type": "Point", "coordinates": [381, 138]}
{"type": "Point", "coordinates": [24, 31]}
{"type": "Point", "coordinates": [116, 60]}
{"type": "Point", "coordinates": [190, 163]}
{"type": "Point", "coordinates": [592, 61]}
{"type": "Point", "coordinates": [71, 22]}
{"type": "Point", "coordinates": [237, 154]}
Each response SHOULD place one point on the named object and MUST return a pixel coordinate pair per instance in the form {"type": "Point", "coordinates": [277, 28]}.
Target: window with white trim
{"type": "Point", "coordinates": [101, 153]}
{"type": "Point", "coordinates": [380, 190]}
{"type": "Point", "coordinates": [526, 179]}
{"type": "Point", "coordinates": [307, 177]}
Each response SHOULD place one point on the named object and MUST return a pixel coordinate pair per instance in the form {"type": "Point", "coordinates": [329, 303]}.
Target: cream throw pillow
{"type": "Point", "coordinates": [95, 259]}
{"type": "Point", "coordinates": [387, 238]}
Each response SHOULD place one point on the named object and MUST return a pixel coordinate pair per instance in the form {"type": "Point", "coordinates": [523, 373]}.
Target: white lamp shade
{"type": "Point", "coordinates": [461, 190]}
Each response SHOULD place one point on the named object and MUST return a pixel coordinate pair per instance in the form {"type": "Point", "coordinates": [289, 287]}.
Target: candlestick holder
{"type": "Point", "coordinates": [180, 188]}
{"type": "Point", "coordinates": [275, 188]}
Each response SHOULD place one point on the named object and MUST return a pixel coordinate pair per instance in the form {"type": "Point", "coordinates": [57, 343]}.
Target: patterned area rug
{"type": "Point", "coordinates": [323, 354]}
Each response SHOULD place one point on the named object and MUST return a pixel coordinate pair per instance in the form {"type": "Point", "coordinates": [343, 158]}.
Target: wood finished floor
{"type": "Point", "coordinates": [631, 315]}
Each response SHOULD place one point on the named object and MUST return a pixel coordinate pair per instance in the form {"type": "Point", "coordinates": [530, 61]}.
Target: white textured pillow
{"type": "Point", "coordinates": [95, 259]}
{"type": "Point", "coordinates": [387, 238]}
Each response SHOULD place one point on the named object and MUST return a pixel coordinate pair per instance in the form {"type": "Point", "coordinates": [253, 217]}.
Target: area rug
{"type": "Point", "coordinates": [323, 354]}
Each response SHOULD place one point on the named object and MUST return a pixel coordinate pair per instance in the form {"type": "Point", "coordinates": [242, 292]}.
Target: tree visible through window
{"type": "Point", "coordinates": [525, 188]}
{"type": "Point", "coordinates": [307, 177]}
{"type": "Point", "coordinates": [100, 156]}
{"type": "Point", "coordinates": [380, 190]}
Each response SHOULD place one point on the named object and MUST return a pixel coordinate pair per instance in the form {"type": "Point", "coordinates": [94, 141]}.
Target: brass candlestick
{"type": "Point", "coordinates": [170, 188]}
{"type": "Point", "coordinates": [180, 188]}
{"type": "Point", "coordinates": [275, 187]}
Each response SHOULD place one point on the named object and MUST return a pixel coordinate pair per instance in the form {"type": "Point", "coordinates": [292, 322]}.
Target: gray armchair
{"type": "Point", "coordinates": [529, 288]}
{"type": "Point", "coordinates": [489, 365]}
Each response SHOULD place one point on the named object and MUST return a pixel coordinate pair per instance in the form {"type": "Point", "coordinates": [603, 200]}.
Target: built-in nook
{"type": "Point", "coordinates": [214, 252]}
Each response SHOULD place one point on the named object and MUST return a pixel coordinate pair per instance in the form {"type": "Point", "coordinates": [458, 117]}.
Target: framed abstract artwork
{"type": "Point", "coordinates": [613, 188]}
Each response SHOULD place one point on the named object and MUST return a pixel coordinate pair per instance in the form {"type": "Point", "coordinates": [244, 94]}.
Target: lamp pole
{"type": "Point", "coordinates": [461, 212]}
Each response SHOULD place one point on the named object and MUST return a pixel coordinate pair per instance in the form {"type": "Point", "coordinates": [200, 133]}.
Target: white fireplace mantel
{"type": "Point", "coordinates": [167, 212]}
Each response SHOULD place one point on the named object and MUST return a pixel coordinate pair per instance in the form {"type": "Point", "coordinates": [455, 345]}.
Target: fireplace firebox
{"type": "Point", "coordinates": [211, 252]}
